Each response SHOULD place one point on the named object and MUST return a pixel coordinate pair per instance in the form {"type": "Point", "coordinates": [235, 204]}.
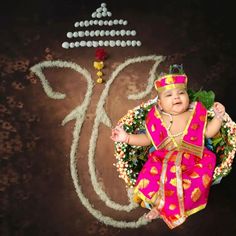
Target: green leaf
{"type": "Point", "coordinates": [216, 141]}
{"type": "Point", "coordinates": [206, 98]}
{"type": "Point", "coordinates": [191, 94]}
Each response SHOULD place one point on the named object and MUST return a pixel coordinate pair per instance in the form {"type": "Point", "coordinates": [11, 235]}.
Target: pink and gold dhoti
{"type": "Point", "coordinates": [176, 180]}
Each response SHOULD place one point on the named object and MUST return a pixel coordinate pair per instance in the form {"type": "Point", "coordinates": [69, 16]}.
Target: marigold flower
{"type": "Point", "coordinates": [99, 73]}
{"type": "Point", "coordinates": [98, 65]}
{"type": "Point", "coordinates": [99, 80]}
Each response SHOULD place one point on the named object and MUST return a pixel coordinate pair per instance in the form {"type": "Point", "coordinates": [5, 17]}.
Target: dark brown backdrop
{"type": "Point", "coordinates": [36, 189]}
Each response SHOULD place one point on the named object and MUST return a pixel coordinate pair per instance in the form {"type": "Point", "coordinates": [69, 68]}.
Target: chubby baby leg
{"type": "Point", "coordinates": [153, 214]}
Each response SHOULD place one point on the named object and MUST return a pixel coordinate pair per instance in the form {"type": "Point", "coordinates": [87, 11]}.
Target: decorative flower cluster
{"type": "Point", "coordinates": [101, 12]}
{"type": "Point", "coordinates": [130, 159]}
{"type": "Point", "coordinates": [96, 36]}
{"type": "Point", "coordinates": [100, 56]}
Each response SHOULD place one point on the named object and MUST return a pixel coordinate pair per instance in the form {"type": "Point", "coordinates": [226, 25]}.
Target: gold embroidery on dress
{"type": "Point", "coordinates": [173, 157]}
{"type": "Point", "coordinates": [194, 175]}
{"type": "Point", "coordinates": [198, 165]}
{"type": "Point", "coordinates": [186, 183]}
{"type": "Point", "coordinates": [169, 193]}
{"type": "Point", "coordinates": [193, 138]}
{"type": "Point", "coordinates": [153, 170]}
{"type": "Point", "coordinates": [186, 155]}
{"type": "Point", "coordinates": [179, 183]}
{"type": "Point", "coordinates": [202, 117]}
{"type": "Point", "coordinates": [196, 150]}
{"type": "Point", "coordinates": [161, 200]}
{"type": "Point", "coordinates": [194, 126]}
{"type": "Point", "coordinates": [206, 180]}
{"type": "Point", "coordinates": [173, 169]}
{"type": "Point", "coordinates": [196, 194]}
{"type": "Point", "coordinates": [173, 182]}
{"type": "Point", "coordinates": [172, 207]}
{"type": "Point", "coordinates": [151, 194]}
{"type": "Point", "coordinates": [183, 168]}
{"type": "Point", "coordinates": [153, 128]}
{"type": "Point", "coordinates": [143, 183]}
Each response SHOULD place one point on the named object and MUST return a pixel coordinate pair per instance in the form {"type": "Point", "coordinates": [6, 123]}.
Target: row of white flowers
{"type": "Point", "coordinates": [100, 43]}
{"type": "Point", "coordinates": [87, 23]}
{"type": "Point", "coordinates": [101, 33]}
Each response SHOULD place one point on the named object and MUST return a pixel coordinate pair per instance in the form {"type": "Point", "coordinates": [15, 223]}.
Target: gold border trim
{"type": "Point", "coordinates": [161, 200]}
{"type": "Point", "coordinates": [179, 184]}
{"type": "Point", "coordinates": [192, 149]}
{"type": "Point", "coordinates": [194, 210]}
{"type": "Point", "coordinates": [170, 86]}
{"type": "Point", "coordinates": [157, 113]}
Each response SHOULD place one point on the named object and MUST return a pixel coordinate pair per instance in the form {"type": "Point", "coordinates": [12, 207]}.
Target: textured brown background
{"type": "Point", "coordinates": [36, 190]}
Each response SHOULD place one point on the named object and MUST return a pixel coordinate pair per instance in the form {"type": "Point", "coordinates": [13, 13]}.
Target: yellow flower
{"type": "Point", "coordinates": [99, 80]}
{"type": "Point", "coordinates": [98, 65]}
{"type": "Point", "coordinates": [99, 73]}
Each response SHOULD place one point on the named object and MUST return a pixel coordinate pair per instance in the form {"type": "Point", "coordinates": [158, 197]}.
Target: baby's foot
{"type": "Point", "coordinates": [153, 214]}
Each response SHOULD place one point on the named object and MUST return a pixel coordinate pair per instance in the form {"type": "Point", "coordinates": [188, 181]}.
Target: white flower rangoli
{"type": "Point", "coordinates": [78, 114]}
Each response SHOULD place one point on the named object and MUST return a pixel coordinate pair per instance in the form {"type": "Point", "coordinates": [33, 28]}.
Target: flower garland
{"type": "Point", "coordinates": [224, 145]}
{"type": "Point", "coordinates": [100, 56]}
{"type": "Point", "coordinates": [130, 159]}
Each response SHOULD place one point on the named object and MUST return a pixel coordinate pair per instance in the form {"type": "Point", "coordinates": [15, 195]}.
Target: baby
{"type": "Point", "coordinates": [175, 180]}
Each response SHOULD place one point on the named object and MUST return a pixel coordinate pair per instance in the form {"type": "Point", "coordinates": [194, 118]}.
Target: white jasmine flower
{"type": "Point", "coordinates": [69, 35]}
{"type": "Point", "coordinates": [65, 45]}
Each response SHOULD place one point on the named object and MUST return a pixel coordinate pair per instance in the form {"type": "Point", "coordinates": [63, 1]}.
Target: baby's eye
{"type": "Point", "coordinates": [181, 92]}
{"type": "Point", "coordinates": [168, 95]}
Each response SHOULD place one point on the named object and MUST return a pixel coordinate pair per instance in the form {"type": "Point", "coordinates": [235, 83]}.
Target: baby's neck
{"type": "Point", "coordinates": [173, 114]}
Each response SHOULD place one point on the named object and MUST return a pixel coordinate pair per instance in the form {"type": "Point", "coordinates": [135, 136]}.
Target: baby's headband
{"type": "Point", "coordinates": [172, 80]}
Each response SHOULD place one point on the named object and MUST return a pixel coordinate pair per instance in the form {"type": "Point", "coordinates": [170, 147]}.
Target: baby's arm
{"type": "Point", "coordinates": [213, 127]}
{"type": "Point", "coordinates": [119, 135]}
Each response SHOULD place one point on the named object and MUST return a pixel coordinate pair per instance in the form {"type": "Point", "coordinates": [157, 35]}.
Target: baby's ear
{"type": "Point", "coordinates": [159, 104]}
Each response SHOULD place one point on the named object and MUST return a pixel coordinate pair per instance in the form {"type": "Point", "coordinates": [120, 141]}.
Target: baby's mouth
{"type": "Point", "coordinates": [177, 103]}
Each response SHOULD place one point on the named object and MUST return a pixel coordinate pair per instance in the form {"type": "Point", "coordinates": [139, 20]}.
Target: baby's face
{"type": "Point", "coordinates": [174, 101]}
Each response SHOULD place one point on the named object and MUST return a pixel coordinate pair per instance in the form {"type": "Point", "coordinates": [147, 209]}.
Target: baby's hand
{"type": "Point", "coordinates": [118, 134]}
{"type": "Point", "coordinates": [219, 110]}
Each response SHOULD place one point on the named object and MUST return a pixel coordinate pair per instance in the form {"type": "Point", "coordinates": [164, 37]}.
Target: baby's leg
{"type": "Point", "coordinates": [153, 214]}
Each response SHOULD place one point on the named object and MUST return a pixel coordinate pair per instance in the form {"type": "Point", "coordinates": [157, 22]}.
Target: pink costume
{"type": "Point", "coordinates": [176, 178]}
